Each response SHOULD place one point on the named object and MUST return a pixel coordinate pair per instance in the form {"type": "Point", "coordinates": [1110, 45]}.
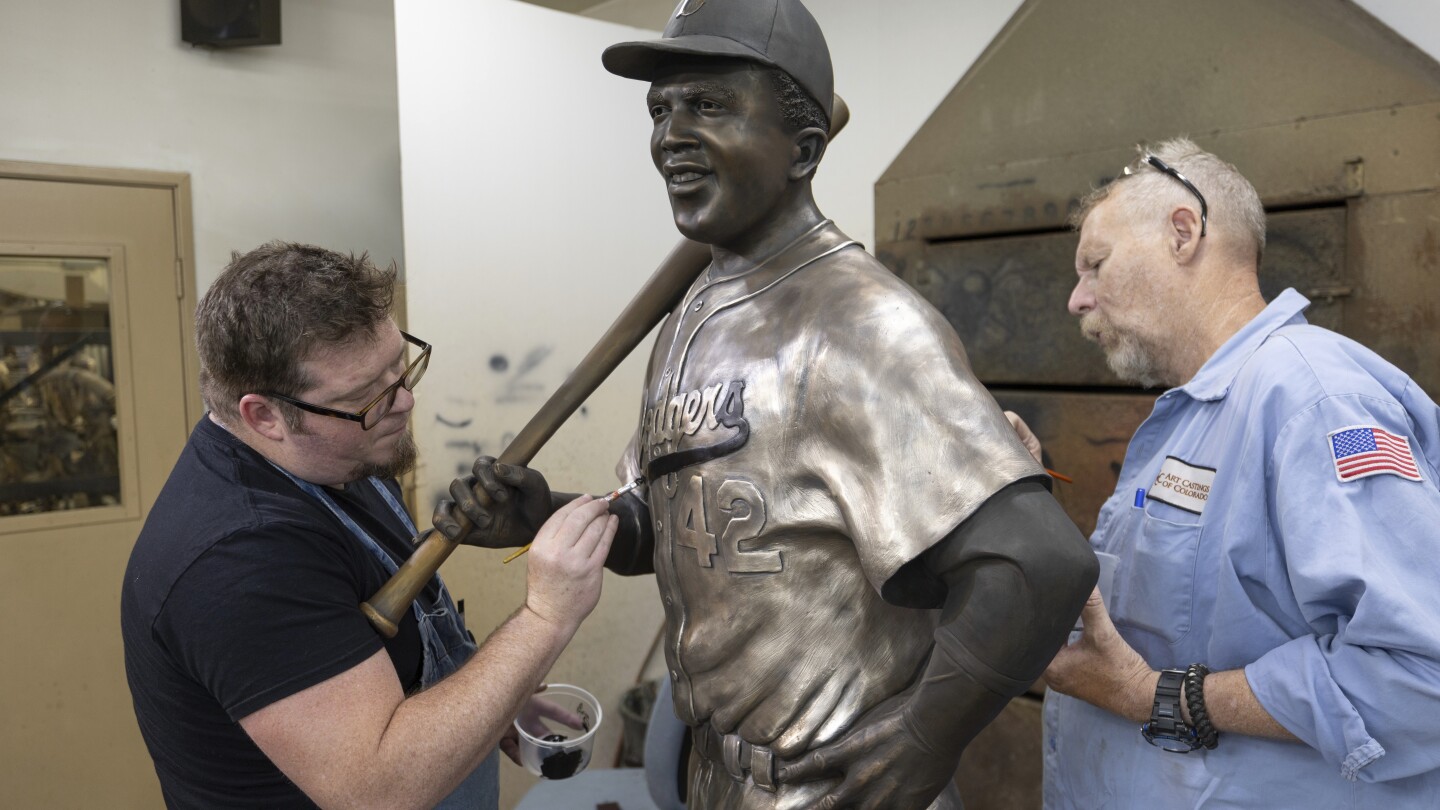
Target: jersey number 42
{"type": "Point", "coordinates": [742, 515]}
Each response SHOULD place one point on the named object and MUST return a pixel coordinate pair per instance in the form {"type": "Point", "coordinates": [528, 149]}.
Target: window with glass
{"type": "Point", "coordinates": [58, 443]}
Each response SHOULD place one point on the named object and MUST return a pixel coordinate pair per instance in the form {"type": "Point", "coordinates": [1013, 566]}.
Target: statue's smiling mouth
{"type": "Point", "coordinates": [682, 177]}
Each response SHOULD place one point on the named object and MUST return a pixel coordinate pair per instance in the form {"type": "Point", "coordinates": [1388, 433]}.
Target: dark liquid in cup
{"type": "Point", "coordinates": [562, 765]}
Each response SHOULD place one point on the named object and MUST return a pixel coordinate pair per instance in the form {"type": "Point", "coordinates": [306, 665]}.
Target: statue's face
{"type": "Point", "coordinates": [723, 148]}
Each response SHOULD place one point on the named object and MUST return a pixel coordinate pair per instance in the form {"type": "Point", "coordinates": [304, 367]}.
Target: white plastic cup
{"type": "Point", "coordinates": [551, 758]}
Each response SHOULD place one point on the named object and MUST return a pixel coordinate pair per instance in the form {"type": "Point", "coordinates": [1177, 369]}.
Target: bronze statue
{"type": "Point", "coordinates": [859, 562]}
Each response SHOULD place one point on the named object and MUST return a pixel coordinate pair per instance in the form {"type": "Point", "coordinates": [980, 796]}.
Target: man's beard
{"type": "Point", "coordinates": [401, 461]}
{"type": "Point", "coordinates": [1127, 356]}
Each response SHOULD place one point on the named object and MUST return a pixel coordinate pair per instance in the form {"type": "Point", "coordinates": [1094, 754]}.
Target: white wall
{"type": "Point", "coordinates": [297, 141]}
{"type": "Point", "coordinates": [1416, 20]}
{"type": "Point", "coordinates": [532, 214]}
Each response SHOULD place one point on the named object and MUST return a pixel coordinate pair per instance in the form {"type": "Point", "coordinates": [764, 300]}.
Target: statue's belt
{"type": "Point", "coordinates": [736, 756]}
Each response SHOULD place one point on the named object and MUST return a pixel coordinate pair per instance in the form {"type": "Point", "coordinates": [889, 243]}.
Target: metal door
{"type": "Point", "coordinates": [97, 396]}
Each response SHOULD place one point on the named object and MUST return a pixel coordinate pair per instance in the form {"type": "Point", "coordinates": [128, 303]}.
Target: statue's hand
{"type": "Point", "coordinates": [504, 504]}
{"type": "Point", "coordinates": [883, 763]}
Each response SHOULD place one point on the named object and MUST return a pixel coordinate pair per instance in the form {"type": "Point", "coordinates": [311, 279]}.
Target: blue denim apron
{"type": "Point", "coordinates": [442, 632]}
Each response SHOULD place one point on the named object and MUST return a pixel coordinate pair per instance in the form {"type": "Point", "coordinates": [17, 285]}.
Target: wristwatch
{"type": "Point", "coordinates": [1167, 728]}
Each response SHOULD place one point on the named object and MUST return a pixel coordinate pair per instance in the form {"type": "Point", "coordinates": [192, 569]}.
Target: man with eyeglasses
{"type": "Point", "coordinates": [1272, 634]}
{"type": "Point", "coordinates": [257, 682]}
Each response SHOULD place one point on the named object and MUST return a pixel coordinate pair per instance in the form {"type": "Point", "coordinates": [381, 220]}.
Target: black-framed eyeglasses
{"type": "Point", "coordinates": [1168, 169]}
{"type": "Point", "coordinates": [379, 407]}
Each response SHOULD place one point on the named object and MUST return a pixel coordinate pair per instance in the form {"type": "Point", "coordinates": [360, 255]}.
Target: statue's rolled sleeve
{"type": "Point", "coordinates": [1017, 562]}
{"type": "Point", "coordinates": [921, 444]}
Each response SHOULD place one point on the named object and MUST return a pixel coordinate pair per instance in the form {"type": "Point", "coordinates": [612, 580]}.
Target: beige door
{"type": "Point", "coordinates": [97, 396]}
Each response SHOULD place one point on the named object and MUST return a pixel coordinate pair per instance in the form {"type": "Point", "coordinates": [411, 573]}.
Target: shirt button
{"type": "Point", "coordinates": [698, 305]}
{"type": "Point", "coordinates": [669, 601]}
{"type": "Point", "coordinates": [659, 526]}
{"type": "Point", "coordinates": [675, 674]}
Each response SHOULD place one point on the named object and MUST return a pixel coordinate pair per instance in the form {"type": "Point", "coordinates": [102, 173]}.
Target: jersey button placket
{"type": "Point", "coordinates": [674, 608]}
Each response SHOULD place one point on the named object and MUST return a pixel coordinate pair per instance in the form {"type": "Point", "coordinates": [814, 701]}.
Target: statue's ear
{"type": "Point", "coordinates": [809, 148]}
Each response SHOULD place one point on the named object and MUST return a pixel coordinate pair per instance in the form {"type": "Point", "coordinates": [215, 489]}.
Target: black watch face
{"type": "Point", "coordinates": [1175, 743]}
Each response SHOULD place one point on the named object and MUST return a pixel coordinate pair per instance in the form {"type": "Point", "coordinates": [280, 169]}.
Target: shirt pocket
{"type": "Point", "coordinates": [1158, 573]}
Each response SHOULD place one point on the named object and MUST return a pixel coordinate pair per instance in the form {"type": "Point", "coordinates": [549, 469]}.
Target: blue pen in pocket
{"type": "Point", "coordinates": [1139, 499]}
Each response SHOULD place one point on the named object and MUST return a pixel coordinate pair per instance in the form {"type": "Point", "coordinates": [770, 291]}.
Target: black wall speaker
{"type": "Point", "coordinates": [230, 23]}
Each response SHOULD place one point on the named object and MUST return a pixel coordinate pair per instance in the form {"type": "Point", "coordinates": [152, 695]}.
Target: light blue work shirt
{"type": "Point", "coordinates": [1248, 550]}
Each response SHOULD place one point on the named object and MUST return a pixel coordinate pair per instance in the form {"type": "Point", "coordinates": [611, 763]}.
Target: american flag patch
{"type": "Point", "coordinates": [1366, 450]}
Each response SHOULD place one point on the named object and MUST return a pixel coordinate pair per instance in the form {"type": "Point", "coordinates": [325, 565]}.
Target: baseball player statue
{"type": "Point", "coordinates": [859, 562]}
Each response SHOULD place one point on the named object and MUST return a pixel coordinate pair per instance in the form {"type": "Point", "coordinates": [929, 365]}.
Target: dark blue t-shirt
{"type": "Point", "coordinates": [243, 590]}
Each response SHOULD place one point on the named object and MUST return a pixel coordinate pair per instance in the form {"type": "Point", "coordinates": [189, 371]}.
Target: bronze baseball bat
{"type": "Point", "coordinates": [655, 300]}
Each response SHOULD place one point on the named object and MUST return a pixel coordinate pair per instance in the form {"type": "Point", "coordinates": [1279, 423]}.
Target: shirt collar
{"type": "Point", "coordinates": [823, 237]}
{"type": "Point", "coordinates": [1215, 377]}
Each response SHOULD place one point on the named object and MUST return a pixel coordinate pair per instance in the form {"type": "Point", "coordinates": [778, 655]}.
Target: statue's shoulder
{"type": "Point", "coordinates": [860, 321]}
{"type": "Point", "coordinates": [857, 290]}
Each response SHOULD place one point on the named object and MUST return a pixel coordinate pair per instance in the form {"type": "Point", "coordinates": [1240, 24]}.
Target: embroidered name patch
{"type": "Point", "coordinates": [1364, 450]}
{"type": "Point", "coordinates": [1183, 485]}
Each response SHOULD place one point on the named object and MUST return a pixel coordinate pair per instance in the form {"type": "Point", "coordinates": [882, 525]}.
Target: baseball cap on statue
{"type": "Point", "coordinates": [778, 33]}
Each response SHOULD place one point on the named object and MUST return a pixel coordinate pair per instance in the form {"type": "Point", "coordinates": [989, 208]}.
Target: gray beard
{"type": "Point", "coordinates": [1128, 356]}
{"type": "Point", "coordinates": [401, 462]}
{"type": "Point", "coordinates": [1132, 363]}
